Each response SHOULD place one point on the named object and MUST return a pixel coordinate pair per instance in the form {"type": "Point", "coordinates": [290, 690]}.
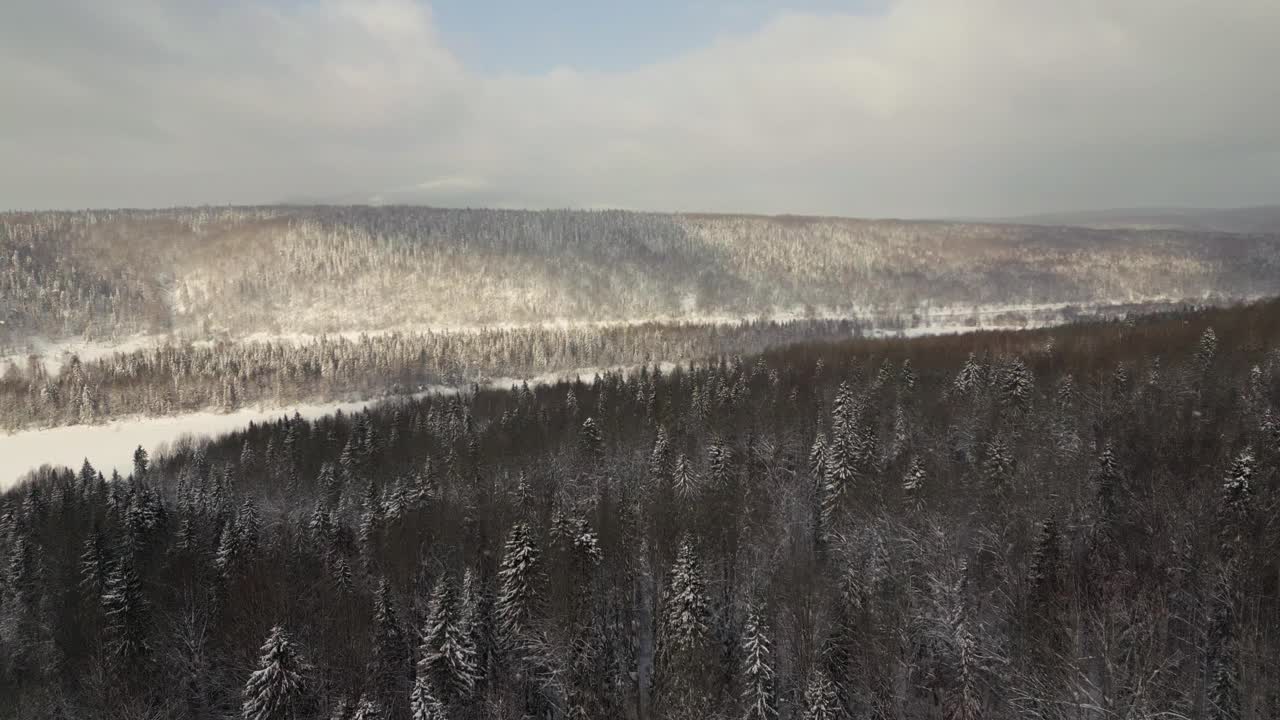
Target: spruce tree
{"type": "Point", "coordinates": [683, 478]}
{"type": "Point", "coordinates": [423, 704]}
{"type": "Point", "coordinates": [127, 611]}
{"type": "Point", "coordinates": [447, 654]}
{"type": "Point", "coordinates": [821, 702]}
{"type": "Point", "coordinates": [757, 669]}
{"type": "Point", "coordinates": [275, 690]}
{"type": "Point", "coordinates": [520, 582]}
{"type": "Point", "coordinates": [390, 649]}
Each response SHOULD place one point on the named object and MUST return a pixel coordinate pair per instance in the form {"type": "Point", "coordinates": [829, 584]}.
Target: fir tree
{"type": "Point", "coordinates": [423, 704]}
{"type": "Point", "coordinates": [447, 653]}
{"type": "Point", "coordinates": [127, 611]}
{"type": "Point", "coordinates": [590, 439]}
{"type": "Point", "coordinates": [275, 690]}
{"type": "Point", "coordinates": [687, 615]}
{"type": "Point", "coordinates": [520, 579]}
{"type": "Point", "coordinates": [390, 648]}
{"type": "Point", "coordinates": [913, 484]}
{"type": "Point", "coordinates": [368, 709]}
{"type": "Point", "coordinates": [683, 478]}
{"type": "Point", "coordinates": [821, 702]}
{"type": "Point", "coordinates": [94, 565]}
{"type": "Point", "coordinates": [757, 669]}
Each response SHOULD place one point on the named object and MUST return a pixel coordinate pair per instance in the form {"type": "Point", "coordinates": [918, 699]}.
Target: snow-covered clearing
{"type": "Point", "coordinates": [110, 446]}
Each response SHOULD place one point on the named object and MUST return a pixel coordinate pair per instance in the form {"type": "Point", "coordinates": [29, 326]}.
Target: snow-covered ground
{"type": "Point", "coordinates": [110, 446]}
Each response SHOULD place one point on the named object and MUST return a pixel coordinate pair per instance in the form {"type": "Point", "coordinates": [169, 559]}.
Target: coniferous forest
{"type": "Point", "coordinates": [1073, 523]}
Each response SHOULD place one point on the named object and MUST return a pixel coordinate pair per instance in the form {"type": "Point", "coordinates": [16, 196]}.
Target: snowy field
{"type": "Point", "coordinates": [110, 446]}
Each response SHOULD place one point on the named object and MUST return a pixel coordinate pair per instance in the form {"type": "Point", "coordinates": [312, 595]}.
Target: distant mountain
{"type": "Point", "coordinates": [211, 272]}
{"type": "Point", "coordinates": [1247, 220]}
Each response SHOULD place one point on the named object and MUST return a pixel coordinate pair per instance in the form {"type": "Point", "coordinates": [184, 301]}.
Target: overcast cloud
{"type": "Point", "coordinates": [929, 108]}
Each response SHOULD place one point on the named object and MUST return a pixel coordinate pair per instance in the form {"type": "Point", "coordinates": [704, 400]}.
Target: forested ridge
{"type": "Point", "coordinates": [1070, 523]}
{"type": "Point", "coordinates": [208, 273]}
{"type": "Point", "coordinates": [228, 375]}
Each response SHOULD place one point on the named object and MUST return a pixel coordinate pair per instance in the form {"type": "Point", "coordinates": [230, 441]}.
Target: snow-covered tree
{"type": "Point", "coordinates": [913, 484]}
{"type": "Point", "coordinates": [275, 690]}
{"type": "Point", "coordinates": [683, 478]}
{"type": "Point", "coordinates": [127, 611]}
{"type": "Point", "coordinates": [757, 669]}
{"type": "Point", "coordinates": [423, 704]}
{"type": "Point", "coordinates": [520, 579]}
{"type": "Point", "coordinates": [590, 439]}
{"type": "Point", "coordinates": [390, 667]}
{"type": "Point", "coordinates": [821, 701]}
{"type": "Point", "coordinates": [447, 655]}
{"type": "Point", "coordinates": [687, 614]}
{"type": "Point", "coordinates": [368, 709]}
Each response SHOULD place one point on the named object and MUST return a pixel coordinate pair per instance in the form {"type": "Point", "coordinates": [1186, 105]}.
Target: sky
{"type": "Point", "coordinates": [878, 108]}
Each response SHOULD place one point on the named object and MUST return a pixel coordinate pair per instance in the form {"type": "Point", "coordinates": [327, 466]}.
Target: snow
{"type": "Point", "coordinates": [56, 354]}
{"type": "Point", "coordinates": [111, 446]}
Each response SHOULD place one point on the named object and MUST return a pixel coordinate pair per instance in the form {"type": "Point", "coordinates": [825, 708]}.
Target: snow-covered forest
{"type": "Point", "coordinates": [228, 375]}
{"type": "Point", "coordinates": [210, 273]}
{"type": "Point", "coordinates": [1067, 523]}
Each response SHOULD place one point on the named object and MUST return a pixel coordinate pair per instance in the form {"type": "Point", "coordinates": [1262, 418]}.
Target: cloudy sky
{"type": "Point", "coordinates": [905, 108]}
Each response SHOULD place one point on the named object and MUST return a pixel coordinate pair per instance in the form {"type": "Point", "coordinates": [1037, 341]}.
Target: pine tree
{"type": "Point", "coordinates": [1109, 483]}
{"type": "Point", "coordinates": [998, 466]}
{"type": "Point", "coordinates": [969, 380]}
{"type": "Point", "coordinates": [683, 478]}
{"type": "Point", "coordinates": [423, 704]}
{"type": "Point", "coordinates": [719, 462]}
{"type": "Point", "coordinates": [447, 656]}
{"type": "Point", "coordinates": [126, 610]}
{"type": "Point", "coordinates": [368, 709]}
{"type": "Point", "coordinates": [907, 378]}
{"type": "Point", "coordinates": [686, 616]}
{"type": "Point", "coordinates": [659, 458]}
{"type": "Point", "coordinates": [390, 648]}
{"type": "Point", "coordinates": [342, 577]}
{"type": "Point", "coordinates": [1236, 503]}
{"type": "Point", "coordinates": [818, 459]}
{"type": "Point", "coordinates": [913, 485]}
{"type": "Point", "coordinates": [821, 702]}
{"type": "Point", "coordinates": [520, 579]}
{"type": "Point", "coordinates": [590, 439]}
{"type": "Point", "coordinates": [275, 690]}
{"type": "Point", "coordinates": [140, 463]}
{"type": "Point", "coordinates": [94, 565]}
{"type": "Point", "coordinates": [1016, 384]}
{"type": "Point", "coordinates": [757, 669]}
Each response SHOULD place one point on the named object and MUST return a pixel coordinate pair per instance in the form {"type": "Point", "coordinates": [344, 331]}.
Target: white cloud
{"type": "Point", "coordinates": [934, 107]}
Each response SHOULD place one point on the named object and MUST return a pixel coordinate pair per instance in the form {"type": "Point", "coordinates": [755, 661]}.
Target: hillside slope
{"type": "Point", "coordinates": [217, 271]}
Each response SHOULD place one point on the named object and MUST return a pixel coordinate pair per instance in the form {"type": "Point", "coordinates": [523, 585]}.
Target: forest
{"type": "Point", "coordinates": [214, 273]}
{"type": "Point", "coordinates": [1073, 523]}
{"type": "Point", "coordinates": [225, 376]}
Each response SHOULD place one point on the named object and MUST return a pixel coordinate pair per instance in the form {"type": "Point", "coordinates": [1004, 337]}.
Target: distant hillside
{"type": "Point", "coordinates": [209, 271]}
{"type": "Point", "coordinates": [1262, 219]}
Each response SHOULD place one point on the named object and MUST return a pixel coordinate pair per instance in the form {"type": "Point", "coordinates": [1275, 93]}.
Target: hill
{"type": "Point", "coordinates": [218, 272]}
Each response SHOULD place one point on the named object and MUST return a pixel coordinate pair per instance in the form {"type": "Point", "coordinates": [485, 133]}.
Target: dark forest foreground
{"type": "Point", "coordinates": [1071, 523]}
